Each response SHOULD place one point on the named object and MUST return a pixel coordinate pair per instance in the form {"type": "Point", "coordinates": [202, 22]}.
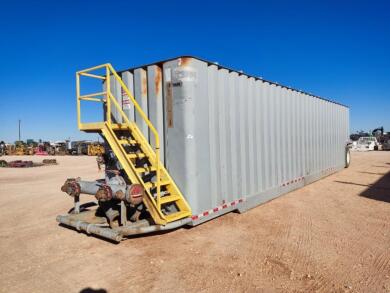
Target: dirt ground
{"type": "Point", "coordinates": [330, 236]}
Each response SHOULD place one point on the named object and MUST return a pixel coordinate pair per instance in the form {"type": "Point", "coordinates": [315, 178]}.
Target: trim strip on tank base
{"type": "Point", "coordinates": [293, 181]}
{"type": "Point", "coordinates": [328, 170]}
{"type": "Point", "coordinates": [264, 196]}
{"type": "Point", "coordinates": [216, 209]}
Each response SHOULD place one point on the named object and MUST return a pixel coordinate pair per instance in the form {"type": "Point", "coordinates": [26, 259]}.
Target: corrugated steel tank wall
{"type": "Point", "coordinates": [227, 136]}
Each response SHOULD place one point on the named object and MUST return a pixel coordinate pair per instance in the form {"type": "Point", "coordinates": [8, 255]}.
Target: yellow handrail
{"type": "Point", "coordinates": [110, 98]}
{"type": "Point", "coordinates": [93, 95]}
{"type": "Point", "coordinates": [92, 75]}
{"type": "Point", "coordinates": [92, 68]}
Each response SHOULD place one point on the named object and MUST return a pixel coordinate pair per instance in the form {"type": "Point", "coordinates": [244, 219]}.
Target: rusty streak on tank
{"type": "Point", "coordinates": [184, 61]}
{"type": "Point", "coordinates": [157, 81]}
{"type": "Point", "coordinates": [144, 84]}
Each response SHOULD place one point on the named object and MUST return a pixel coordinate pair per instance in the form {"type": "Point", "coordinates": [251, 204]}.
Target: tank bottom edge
{"type": "Point", "coordinates": [253, 201]}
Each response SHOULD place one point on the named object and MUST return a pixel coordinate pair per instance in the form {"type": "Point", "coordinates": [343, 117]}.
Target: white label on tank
{"type": "Point", "coordinates": [125, 100]}
{"type": "Point", "coordinates": [126, 103]}
{"type": "Point", "coordinates": [186, 74]}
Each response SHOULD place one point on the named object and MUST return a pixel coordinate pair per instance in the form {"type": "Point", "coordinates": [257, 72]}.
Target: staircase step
{"type": "Point", "coordinates": [148, 169]}
{"type": "Point", "coordinates": [127, 141]}
{"type": "Point", "coordinates": [177, 216]}
{"type": "Point", "coordinates": [154, 184]}
{"type": "Point", "coordinates": [131, 148]}
{"type": "Point", "coordinates": [148, 177]}
{"type": "Point", "coordinates": [170, 198]}
{"type": "Point", "coordinates": [136, 155]}
{"type": "Point", "coordinates": [141, 162]}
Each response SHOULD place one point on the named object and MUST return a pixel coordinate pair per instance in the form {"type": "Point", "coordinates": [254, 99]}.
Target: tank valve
{"type": "Point", "coordinates": [104, 193]}
{"type": "Point", "coordinates": [134, 194]}
{"type": "Point", "coordinates": [71, 187]}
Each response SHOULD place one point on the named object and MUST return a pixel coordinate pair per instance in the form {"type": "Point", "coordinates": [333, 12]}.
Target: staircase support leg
{"type": "Point", "coordinates": [76, 204]}
{"type": "Point", "coordinates": [123, 214]}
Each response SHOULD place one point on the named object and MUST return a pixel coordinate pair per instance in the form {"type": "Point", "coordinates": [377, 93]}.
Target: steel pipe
{"type": "Point", "coordinates": [117, 234]}
{"type": "Point", "coordinates": [132, 194]}
{"type": "Point", "coordinates": [107, 233]}
{"type": "Point", "coordinates": [143, 228]}
{"type": "Point", "coordinates": [74, 187]}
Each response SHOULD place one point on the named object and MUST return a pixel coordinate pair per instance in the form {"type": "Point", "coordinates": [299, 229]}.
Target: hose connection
{"type": "Point", "coordinates": [132, 194]}
{"type": "Point", "coordinates": [104, 193]}
{"type": "Point", "coordinates": [71, 187]}
{"type": "Point", "coordinates": [135, 194]}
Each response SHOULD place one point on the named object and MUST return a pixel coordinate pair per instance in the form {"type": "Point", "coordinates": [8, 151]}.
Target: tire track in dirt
{"type": "Point", "coordinates": [304, 261]}
{"type": "Point", "coordinates": [274, 259]}
{"type": "Point", "coordinates": [342, 277]}
{"type": "Point", "coordinates": [322, 235]}
{"type": "Point", "coordinates": [381, 263]}
{"type": "Point", "coordinates": [303, 251]}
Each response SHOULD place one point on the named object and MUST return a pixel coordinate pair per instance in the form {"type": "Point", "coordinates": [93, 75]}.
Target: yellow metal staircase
{"type": "Point", "coordinates": [139, 160]}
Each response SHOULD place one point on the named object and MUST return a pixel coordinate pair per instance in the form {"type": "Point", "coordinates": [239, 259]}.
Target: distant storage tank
{"type": "Point", "coordinates": [232, 141]}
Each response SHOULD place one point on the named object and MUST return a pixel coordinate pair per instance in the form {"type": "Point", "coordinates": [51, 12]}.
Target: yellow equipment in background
{"type": "Point", "coordinates": [10, 149]}
{"type": "Point", "coordinates": [95, 150]}
{"type": "Point", "coordinates": [30, 150]}
{"type": "Point", "coordinates": [20, 151]}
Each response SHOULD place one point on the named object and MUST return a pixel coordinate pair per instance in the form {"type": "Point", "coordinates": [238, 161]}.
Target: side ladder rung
{"type": "Point", "coordinates": [91, 96]}
{"type": "Point", "coordinates": [92, 75]}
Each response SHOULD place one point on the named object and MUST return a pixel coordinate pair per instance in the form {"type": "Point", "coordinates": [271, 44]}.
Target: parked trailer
{"type": "Point", "coordinates": [228, 140]}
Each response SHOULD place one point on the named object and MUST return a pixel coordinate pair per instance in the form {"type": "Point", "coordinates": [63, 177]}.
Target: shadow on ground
{"type": "Point", "coordinates": [372, 173]}
{"type": "Point", "coordinates": [90, 290]}
{"type": "Point", "coordinates": [379, 166]}
{"type": "Point", "coordinates": [379, 190]}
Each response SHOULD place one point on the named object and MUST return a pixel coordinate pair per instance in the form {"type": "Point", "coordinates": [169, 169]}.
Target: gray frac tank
{"type": "Point", "coordinates": [232, 141]}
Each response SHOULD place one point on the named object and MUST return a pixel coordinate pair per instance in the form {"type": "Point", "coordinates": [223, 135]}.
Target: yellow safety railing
{"type": "Point", "coordinates": [109, 100]}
